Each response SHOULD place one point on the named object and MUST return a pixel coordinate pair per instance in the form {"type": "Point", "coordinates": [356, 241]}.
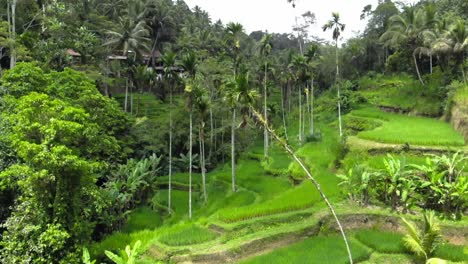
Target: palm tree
{"type": "Point", "coordinates": [189, 63]}
{"type": "Point", "coordinates": [202, 105]}
{"type": "Point", "coordinates": [423, 242]}
{"type": "Point", "coordinates": [265, 49]}
{"type": "Point", "coordinates": [299, 69]}
{"type": "Point", "coordinates": [131, 36]}
{"type": "Point", "coordinates": [311, 55]}
{"type": "Point", "coordinates": [159, 19]}
{"type": "Point", "coordinates": [337, 27]}
{"type": "Point", "coordinates": [169, 61]}
{"type": "Point", "coordinates": [245, 98]}
{"type": "Point", "coordinates": [233, 31]}
{"type": "Point", "coordinates": [454, 41]}
{"type": "Point", "coordinates": [238, 95]}
{"type": "Point", "coordinates": [406, 28]}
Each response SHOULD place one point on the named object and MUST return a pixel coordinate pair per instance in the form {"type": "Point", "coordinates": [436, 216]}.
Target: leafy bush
{"type": "Point", "coordinates": [358, 124]}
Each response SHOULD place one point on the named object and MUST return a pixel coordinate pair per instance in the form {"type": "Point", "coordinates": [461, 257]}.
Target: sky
{"type": "Point", "coordinates": [279, 17]}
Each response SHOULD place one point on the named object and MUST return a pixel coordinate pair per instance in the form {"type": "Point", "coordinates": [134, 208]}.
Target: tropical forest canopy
{"type": "Point", "coordinates": [144, 124]}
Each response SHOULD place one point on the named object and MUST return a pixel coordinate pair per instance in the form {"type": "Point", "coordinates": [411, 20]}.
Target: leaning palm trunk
{"type": "Point", "coordinates": [170, 152]}
{"type": "Point", "coordinates": [233, 152]}
{"type": "Point", "coordinates": [417, 68]}
{"type": "Point", "coordinates": [288, 149]}
{"type": "Point", "coordinates": [190, 167]}
{"type": "Point", "coordinates": [265, 113]}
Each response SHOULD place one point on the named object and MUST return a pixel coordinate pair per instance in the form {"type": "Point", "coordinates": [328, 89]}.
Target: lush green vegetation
{"type": "Point", "coordinates": [141, 131]}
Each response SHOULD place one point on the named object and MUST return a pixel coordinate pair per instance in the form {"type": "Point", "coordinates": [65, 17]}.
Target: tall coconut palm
{"type": "Point", "coordinates": [406, 28]}
{"type": "Point", "coordinates": [233, 31]}
{"type": "Point", "coordinates": [160, 19]}
{"type": "Point", "coordinates": [169, 62]}
{"type": "Point", "coordinates": [130, 35]}
{"type": "Point", "coordinates": [299, 68]}
{"type": "Point", "coordinates": [237, 94]}
{"type": "Point", "coordinates": [201, 104]}
{"type": "Point", "coordinates": [454, 42]}
{"type": "Point", "coordinates": [189, 63]}
{"type": "Point", "coordinates": [337, 27]}
{"type": "Point", "coordinates": [311, 55]}
{"type": "Point", "coordinates": [245, 98]}
{"type": "Point", "coordinates": [266, 45]}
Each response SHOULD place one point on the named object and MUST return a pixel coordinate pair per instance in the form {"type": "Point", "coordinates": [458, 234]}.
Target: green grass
{"type": "Point", "coordinates": [381, 241]}
{"type": "Point", "coordinates": [186, 235]}
{"type": "Point", "coordinates": [321, 249]}
{"type": "Point", "coordinates": [400, 129]}
{"type": "Point", "coordinates": [142, 218]}
{"type": "Point", "coordinates": [452, 252]}
{"type": "Point", "coordinates": [389, 259]}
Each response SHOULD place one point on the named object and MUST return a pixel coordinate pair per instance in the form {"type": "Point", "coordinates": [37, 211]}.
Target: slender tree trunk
{"type": "Point", "coordinates": [222, 138]}
{"type": "Point", "coordinates": [430, 60]}
{"type": "Point", "coordinates": [338, 87]}
{"type": "Point", "coordinates": [126, 95]}
{"type": "Point", "coordinates": [233, 152]}
{"type": "Point", "coordinates": [300, 115]}
{"type": "Point", "coordinates": [283, 110]}
{"type": "Point", "coordinates": [190, 166]}
{"type": "Point", "coordinates": [339, 111]}
{"type": "Point", "coordinates": [265, 113]}
{"type": "Point", "coordinates": [202, 159]}
{"type": "Point", "coordinates": [312, 107]}
{"type": "Point", "coordinates": [310, 176]}
{"type": "Point", "coordinates": [308, 107]}
{"type": "Point", "coordinates": [289, 92]}
{"type": "Point", "coordinates": [169, 199]}
{"type": "Point", "coordinates": [131, 98]}
{"type": "Point", "coordinates": [211, 133]}
{"type": "Point", "coordinates": [417, 68]}
{"type": "Point", "coordinates": [13, 35]}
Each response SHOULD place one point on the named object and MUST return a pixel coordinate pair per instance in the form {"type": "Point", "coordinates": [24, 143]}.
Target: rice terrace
{"type": "Point", "coordinates": [220, 131]}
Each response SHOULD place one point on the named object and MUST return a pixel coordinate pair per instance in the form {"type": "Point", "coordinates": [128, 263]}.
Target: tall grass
{"type": "Point", "coordinates": [186, 235]}
{"type": "Point", "coordinates": [381, 241]}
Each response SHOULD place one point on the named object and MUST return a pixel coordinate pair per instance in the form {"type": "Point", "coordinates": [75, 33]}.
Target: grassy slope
{"type": "Point", "coordinates": [402, 129]}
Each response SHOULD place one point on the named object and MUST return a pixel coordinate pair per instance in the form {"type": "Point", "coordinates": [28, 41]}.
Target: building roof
{"type": "Point", "coordinates": [73, 53]}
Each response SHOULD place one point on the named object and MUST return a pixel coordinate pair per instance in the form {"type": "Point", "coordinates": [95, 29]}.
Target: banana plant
{"type": "Point", "coordinates": [86, 258]}
{"type": "Point", "coordinates": [128, 256]}
{"type": "Point", "coordinates": [396, 182]}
